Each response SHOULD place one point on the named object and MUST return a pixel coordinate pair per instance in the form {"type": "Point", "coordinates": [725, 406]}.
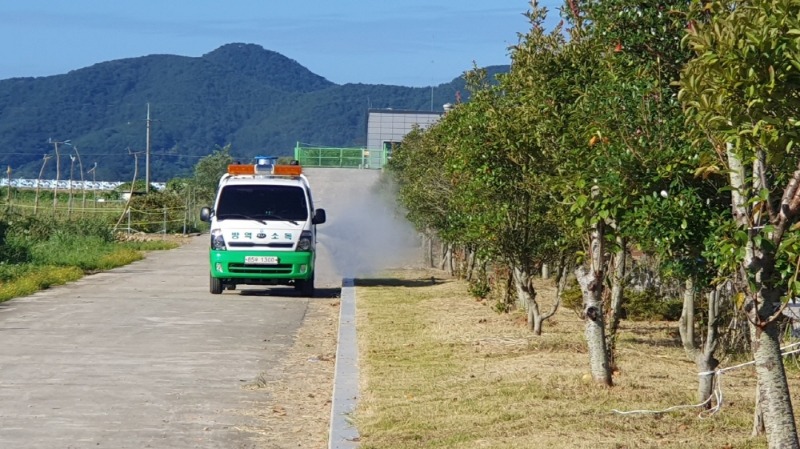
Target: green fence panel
{"type": "Point", "coordinates": [314, 156]}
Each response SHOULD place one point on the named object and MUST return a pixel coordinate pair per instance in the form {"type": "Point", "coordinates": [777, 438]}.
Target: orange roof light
{"type": "Point", "coordinates": [241, 169]}
{"type": "Point", "coordinates": [287, 170]}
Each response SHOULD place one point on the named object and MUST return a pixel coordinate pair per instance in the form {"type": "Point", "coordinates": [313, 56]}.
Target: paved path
{"type": "Point", "coordinates": [142, 356]}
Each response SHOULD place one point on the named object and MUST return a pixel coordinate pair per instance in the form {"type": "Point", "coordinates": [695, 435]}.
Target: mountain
{"type": "Point", "coordinates": [257, 100]}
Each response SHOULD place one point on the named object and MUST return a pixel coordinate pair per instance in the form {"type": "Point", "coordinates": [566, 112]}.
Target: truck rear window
{"type": "Point", "coordinates": [263, 202]}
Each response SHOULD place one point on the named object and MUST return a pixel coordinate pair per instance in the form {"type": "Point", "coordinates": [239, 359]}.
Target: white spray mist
{"type": "Point", "coordinates": [366, 233]}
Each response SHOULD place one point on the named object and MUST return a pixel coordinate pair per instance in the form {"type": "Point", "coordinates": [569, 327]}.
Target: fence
{"type": "Point", "coordinates": [129, 218]}
{"type": "Point", "coordinates": [333, 157]}
{"type": "Point", "coordinates": [164, 221]}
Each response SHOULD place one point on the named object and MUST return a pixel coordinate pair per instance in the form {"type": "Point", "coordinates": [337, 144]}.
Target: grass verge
{"type": "Point", "coordinates": [57, 262]}
{"type": "Point", "coordinates": [31, 279]}
{"type": "Point", "coordinates": [442, 370]}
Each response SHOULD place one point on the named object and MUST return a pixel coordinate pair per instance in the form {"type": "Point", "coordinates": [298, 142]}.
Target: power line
{"type": "Point", "coordinates": [14, 153]}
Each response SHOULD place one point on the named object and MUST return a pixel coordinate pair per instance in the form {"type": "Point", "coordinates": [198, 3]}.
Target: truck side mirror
{"type": "Point", "coordinates": [319, 217]}
{"type": "Point", "coordinates": [205, 214]}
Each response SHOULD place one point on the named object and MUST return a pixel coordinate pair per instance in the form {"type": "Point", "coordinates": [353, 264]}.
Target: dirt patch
{"type": "Point", "coordinates": [180, 239]}
{"type": "Point", "coordinates": [299, 413]}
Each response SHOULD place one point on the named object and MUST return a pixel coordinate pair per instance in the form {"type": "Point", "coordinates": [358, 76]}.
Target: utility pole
{"type": "Point", "coordinates": [8, 199]}
{"type": "Point", "coordinates": [39, 181]}
{"type": "Point", "coordinates": [147, 155]}
{"type": "Point", "coordinates": [58, 170]}
{"type": "Point", "coordinates": [71, 172]}
{"type": "Point", "coordinates": [83, 184]}
{"type": "Point", "coordinates": [94, 184]}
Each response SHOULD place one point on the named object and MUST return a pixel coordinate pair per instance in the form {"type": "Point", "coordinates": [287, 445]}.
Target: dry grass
{"type": "Point", "coordinates": [298, 413]}
{"type": "Point", "coordinates": [440, 369]}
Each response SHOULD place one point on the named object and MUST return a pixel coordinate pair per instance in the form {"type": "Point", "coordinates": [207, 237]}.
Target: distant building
{"type": "Point", "coordinates": [387, 127]}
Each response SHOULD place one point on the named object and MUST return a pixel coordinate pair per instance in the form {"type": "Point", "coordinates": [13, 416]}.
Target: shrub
{"type": "Point", "coordinates": [64, 249]}
{"type": "Point", "coordinates": [97, 227]}
{"type": "Point", "coordinates": [32, 227]}
{"type": "Point", "coordinates": [572, 298]}
{"type": "Point", "coordinates": [9, 272]}
{"type": "Point", "coordinates": [12, 250]}
{"type": "Point", "coordinates": [649, 305]}
{"type": "Point", "coordinates": [646, 305]}
{"type": "Point", "coordinates": [479, 287]}
{"type": "Point", "coordinates": [157, 212]}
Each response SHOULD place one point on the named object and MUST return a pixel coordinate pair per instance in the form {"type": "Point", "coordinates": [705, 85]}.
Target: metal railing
{"type": "Point", "coordinates": [333, 157]}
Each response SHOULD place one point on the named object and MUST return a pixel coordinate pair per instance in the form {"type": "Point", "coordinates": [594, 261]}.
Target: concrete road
{"type": "Point", "coordinates": [143, 356]}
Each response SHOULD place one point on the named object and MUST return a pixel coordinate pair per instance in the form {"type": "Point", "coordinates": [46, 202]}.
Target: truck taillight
{"type": "Point", "coordinates": [217, 240]}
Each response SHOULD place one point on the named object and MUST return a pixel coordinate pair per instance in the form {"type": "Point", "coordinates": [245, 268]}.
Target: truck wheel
{"type": "Point", "coordinates": [215, 285]}
{"type": "Point", "coordinates": [306, 287]}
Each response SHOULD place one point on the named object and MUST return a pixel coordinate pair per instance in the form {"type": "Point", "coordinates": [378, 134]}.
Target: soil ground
{"type": "Point", "coordinates": [299, 414]}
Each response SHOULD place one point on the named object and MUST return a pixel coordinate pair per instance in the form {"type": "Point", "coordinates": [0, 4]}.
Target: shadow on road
{"type": "Point", "coordinates": [390, 282]}
{"type": "Point", "coordinates": [333, 292]}
{"type": "Point", "coordinates": [289, 292]}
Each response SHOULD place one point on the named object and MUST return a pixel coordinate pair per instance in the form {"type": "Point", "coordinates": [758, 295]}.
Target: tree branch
{"type": "Point", "coordinates": [790, 205]}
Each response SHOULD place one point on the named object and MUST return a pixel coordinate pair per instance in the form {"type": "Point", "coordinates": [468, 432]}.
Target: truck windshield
{"type": "Point", "coordinates": [260, 202]}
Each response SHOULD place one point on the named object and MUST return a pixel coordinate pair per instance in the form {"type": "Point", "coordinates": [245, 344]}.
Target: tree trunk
{"type": "Point", "coordinates": [430, 262]}
{"type": "Point", "coordinates": [705, 360]}
{"type": "Point", "coordinates": [451, 260]}
{"type": "Point", "coordinates": [705, 387]}
{"type": "Point", "coordinates": [776, 402]}
{"type": "Point", "coordinates": [509, 283]}
{"type": "Point", "coordinates": [758, 415]}
{"type": "Point", "coordinates": [526, 295]}
{"type": "Point", "coordinates": [591, 282]}
{"type": "Point", "coordinates": [471, 262]}
{"type": "Point", "coordinates": [617, 297]}
{"type": "Point", "coordinates": [686, 322]}
{"type": "Point", "coordinates": [764, 299]}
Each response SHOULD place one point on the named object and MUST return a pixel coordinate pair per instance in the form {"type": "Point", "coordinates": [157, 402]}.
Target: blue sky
{"type": "Point", "coordinates": [401, 42]}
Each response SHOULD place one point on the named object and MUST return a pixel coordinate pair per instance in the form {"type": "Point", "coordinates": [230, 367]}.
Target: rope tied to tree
{"type": "Point", "coordinates": [716, 397]}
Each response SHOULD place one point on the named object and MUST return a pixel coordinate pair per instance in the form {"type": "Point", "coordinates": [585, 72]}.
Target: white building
{"type": "Point", "coordinates": [387, 127]}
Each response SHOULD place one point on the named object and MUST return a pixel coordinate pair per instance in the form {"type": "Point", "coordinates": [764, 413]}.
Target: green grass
{"type": "Point", "coordinates": [150, 245]}
{"type": "Point", "coordinates": [92, 254]}
{"type": "Point", "coordinates": [58, 261]}
{"type": "Point", "coordinates": [34, 278]}
{"type": "Point", "coordinates": [38, 252]}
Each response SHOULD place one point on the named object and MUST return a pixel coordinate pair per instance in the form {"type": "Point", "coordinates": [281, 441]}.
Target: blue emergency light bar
{"type": "Point", "coordinates": [264, 164]}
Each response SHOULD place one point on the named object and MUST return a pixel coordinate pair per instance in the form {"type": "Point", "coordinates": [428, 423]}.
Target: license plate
{"type": "Point", "coordinates": [260, 260]}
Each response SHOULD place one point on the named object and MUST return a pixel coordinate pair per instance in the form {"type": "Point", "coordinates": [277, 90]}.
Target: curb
{"type": "Point", "coordinates": [343, 434]}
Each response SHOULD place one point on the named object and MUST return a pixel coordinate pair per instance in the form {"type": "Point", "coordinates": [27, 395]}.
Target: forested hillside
{"type": "Point", "coordinates": [257, 100]}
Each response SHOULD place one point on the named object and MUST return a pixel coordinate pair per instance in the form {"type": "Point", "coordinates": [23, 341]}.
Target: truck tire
{"type": "Point", "coordinates": [215, 285]}
{"type": "Point", "coordinates": [306, 287]}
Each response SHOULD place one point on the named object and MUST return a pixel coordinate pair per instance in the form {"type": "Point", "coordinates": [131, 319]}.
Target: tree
{"type": "Point", "coordinates": [209, 170]}
{"type": "Point", "coordinates": [740, 91]}
{"type": "Point", "coordinates": [527, 124]}
{"type": "Point", "coordinates": [512, 218]}
{"type": "Point", "coordinates": [659, 201]}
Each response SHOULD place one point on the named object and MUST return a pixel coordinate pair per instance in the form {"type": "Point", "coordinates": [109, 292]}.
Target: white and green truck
{"type": "Point", "coordinates": [263, 228]}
